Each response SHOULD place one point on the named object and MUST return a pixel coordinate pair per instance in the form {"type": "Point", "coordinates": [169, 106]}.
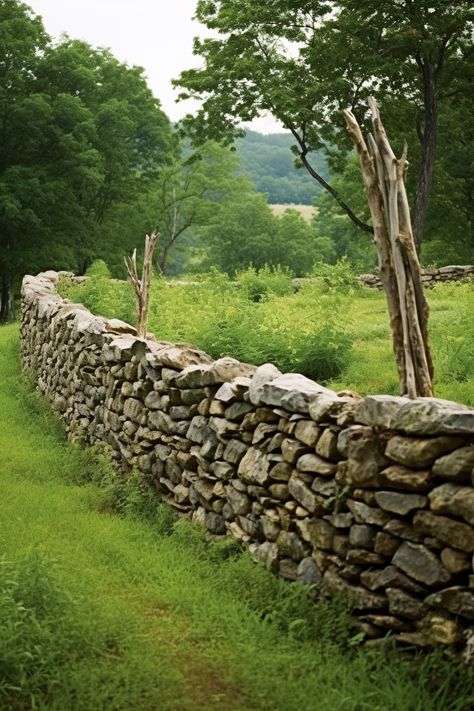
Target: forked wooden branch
{"type": "Point", "coordinates": [384, 180]}
{"type": "Point", "coordinates": [141, 286]}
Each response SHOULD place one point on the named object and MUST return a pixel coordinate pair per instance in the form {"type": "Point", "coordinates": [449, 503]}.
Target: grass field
{"type": "Point", "coordinates": [307, 211]}
{"type": "Point", "coordinates": [107, 603]}
{"type": "Point", "coordinates": [333, 330]}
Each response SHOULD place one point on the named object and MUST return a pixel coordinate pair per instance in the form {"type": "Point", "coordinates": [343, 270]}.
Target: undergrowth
{"type": "Point", "coordinates": [110, 602]}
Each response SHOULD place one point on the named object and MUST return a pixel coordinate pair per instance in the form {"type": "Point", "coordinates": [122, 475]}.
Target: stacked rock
{"type": "Point", "coordinates": [369, 497]}
{"type": "Point", "coordinates": [429, 276]}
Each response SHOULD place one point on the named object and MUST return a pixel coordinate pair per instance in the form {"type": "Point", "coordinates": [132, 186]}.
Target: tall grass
{"type": "Point", "coordinates": [331, 330]}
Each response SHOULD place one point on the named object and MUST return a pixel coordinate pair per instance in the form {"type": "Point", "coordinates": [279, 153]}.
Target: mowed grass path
{"type": "Point", "coordinates": [101, 611]}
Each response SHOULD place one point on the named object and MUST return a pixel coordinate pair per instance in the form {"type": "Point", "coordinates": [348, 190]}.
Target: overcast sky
{"type": "Point", "coordinates": [154, 34]}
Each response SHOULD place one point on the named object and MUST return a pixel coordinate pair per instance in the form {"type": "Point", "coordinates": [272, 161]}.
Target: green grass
{"type": "Point", "coordinates": [131, 610]}
{"type": "Point", "coordinates": [333, 331]}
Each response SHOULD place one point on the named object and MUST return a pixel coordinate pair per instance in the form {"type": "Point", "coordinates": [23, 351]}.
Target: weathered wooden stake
{"type": "Point", "coordinates": [384, 180]}
{"type": "Point", "coordinates": [141, 286]}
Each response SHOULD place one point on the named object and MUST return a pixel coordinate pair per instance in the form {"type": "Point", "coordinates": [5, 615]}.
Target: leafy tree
{"type": "Point", "coordinates": [304, 61]}
{"type": "Point", "coordinates": [78, 132]}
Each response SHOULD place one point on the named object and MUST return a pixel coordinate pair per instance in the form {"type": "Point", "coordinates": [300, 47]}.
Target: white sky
{"type": "Point", "coordinates": [154, 34]}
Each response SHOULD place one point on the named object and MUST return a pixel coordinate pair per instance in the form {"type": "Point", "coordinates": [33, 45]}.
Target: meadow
{"type": "Point", "coordinates": [108, 602]}
{"type": "Point", "coordinates": [332, 329]}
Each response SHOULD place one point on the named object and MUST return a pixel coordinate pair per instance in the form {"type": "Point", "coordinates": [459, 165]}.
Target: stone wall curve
{"type": "Point", "coordinates": [373, 497]}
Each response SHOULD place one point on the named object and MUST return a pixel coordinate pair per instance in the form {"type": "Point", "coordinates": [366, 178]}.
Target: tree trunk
{"type": "Point", "coordinates": [384, 179]}
{"type": "Point", "coordinates": [428, 151]}
{"type": "Point", "coordinates": [141, 286]}
{"type": "Point", "coordinates": [7, 300]}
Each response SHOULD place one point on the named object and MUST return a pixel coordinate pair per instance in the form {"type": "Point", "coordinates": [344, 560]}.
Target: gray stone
{"type": "Point", "coordinates": [133, 409]}
{"type": "Point", "coordinates": [399, 477]}
{"type": "Point", "coordinates": [279, 491]}
{"type": "Point", "coordinates": [457, 600]}
{"type": "Point", "coordinates": [215, 523]}
{"type": "Point", "coordinates": [327, 446]}
{"type": "Point", "coordinates": [192, 396]}
{"type": "Point", "coordinates": [420, 452]}
{"type": "Point", "coordinates": [223, 428]}
{"type": "Point", "coordinates": [318, 532]}
{"type": "Point", "coordinates": [360, 598]}
{"type": "Point", "coordinates": [307, 432]}
{"type": "Point", "coordinates": [254, 467]}
{"type": "Point", "coordinates": [379, 410]}
{"type": "Point", "coordinates": [288, 569]}
{"type": "Point", "coordinates": [158, 420]}
{"type": "Point", "coordinates": [222, 470]}
{"type": "Point", "coordinates": [366, 514]}
{"type": "Point", "coordinates": [263, 375]}
{"type": "Point", "coordinates": [389, 577]}
{"type": "Point", "coordinates": [421, 564]}
{"type": "Point", "coordinates": [361, 536]}
{"type": "Point", "coordinates": [456, 466]}
{"type": "Point", "coordinates": [302, 493]}
{"type": "Point", "coordinates": [238, 410]}
{"type": "Point", "coordinates": [453, 499]}
{"type": "Point", "coordinates": [153, 400]}
{"type": "Point", "coordinates": [291, 450]}
{"type": "Point", "coordinates": [290, 545]}
{"type": "Point", "coordinates": [281, 471]}
{"type": "Point", "coordinates": [401, 504]}
{"type": "Point", "coordinates": [315, 464]}
{"type": "Point", "coordinates": [401, 604]}
{"type": "Point", "coordinates": [292, 392]}
{"type": "Point", "coordinates": [198, 429]}
{"type": "Point", "coordinates": [454, 533]}
{"type": "Point", "coordinates": [365, 456]}
{"type": "Point", "coordinates": [308, 572]}
{"type": "Point", "coordinates": [266, 553]}
{"type": "Point", "coordinates": [455, 561]}
{"type": "Point", "coordinates": [234, 451]}
{"type": "Point", "coordinates": [430, 416]}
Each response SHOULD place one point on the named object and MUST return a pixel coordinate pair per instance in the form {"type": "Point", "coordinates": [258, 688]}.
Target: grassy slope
{"type": "Point", "coordinates": [155, 621]}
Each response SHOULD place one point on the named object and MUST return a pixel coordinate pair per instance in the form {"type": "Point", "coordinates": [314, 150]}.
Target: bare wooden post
{"type": "Point", "coordinates": [384, 180]}
{"type": "Point", "coordinates": [141, 286]}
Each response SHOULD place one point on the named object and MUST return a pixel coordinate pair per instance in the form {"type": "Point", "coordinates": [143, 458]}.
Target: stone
{"type": "Point", "coordinates": [250, 526]}
{"type": "Point", "coordinates": [266, 553]}
{"type": "Point", "coordinates": [302, 493]}
{"type": "Point", "coordinates": [239, 501]}
{"type": "Point", "coordinates": [179, 356]}
{"type": "Point", "coordinates": [308, 572]}
{"type": "Point", "coordinates": [457, 600]}
{"type": "Point", "coordinates": [215, 523]}
{"type": "Point", "coordinates": [385, 544]}
{"type": "Point", "coordinates": [198, 429]}
{"type": "Point", "coordinates": [361, 556]}
{"type": "Point", "coordinates": [443, 630]}
{"type": "Point", "coordinates": [262, 432]}
{"type": "Point", "coordinates": [359, 597]}
{"type": "Point", "coordinates": [290, 545]}
{"type": "Point", "coordinates": [401, 529]}
{"type": "Point", "coordinates": [340, 520]}
{"type": "Point", "coordinates": [454, 533]}
{"type": "Point", "coordinates": [325, 487]}
{"type": "Point", "coordinates": [133, 409]}
{"type": "Point", "coordinates": [364, 449]}
{"type": "Point", "coordinates": [366, 514]}
{"type": "Point", "coordinates": [453, 499]}
{"type": "Point", "coordinates": [401, 604]}
{"type": "Point", "coordinates": [288, 569]}
{"type": "Point", "coordinates": [225, 393]}
{"type": "Point", "coordinates": [291, 391]}
{"type": "Point", "coordinates": [307, 432]}
{"type": "Point", "coordinates": [401, 504]}
{"type": "Point", "coordinates": [270, 529]}
{"type": "Point", "coordinates": [254, 467]}
{"type": "Point", "coordinates": [281, 471]}
{"type": "Point", "coordinates": [238, 410]}
{"type": "Point", "coordinates": [279, 491]}
{"type": "Point", "coordinates": [361, 536]}
{"type": "Point", "coordinates": [292, 450]}
{"type": "Point", "coordinates": [179, 412]}
{"type": "Point", "coordinates": [315, 464]}
{"type": "Point", "coordinates": [158, 420]}
{"type": "Point", "coordinates": [191, 396]}
{"type": "Point", "coordinates": [455, 561]}
{"type": "Point", "coordinates": [399, 477]}
{"type": "Point", "coordinates": [387, 622]}
{"type": "Point", "coordinates": [456, 466]}
{"type": "Point", "coordinates": [388, 577]}
{"type": "Point", "coordinates": [420, 452]}
{"type": "Point", "coordinates": [327, 445]}
{"type": "Point", "coordinates": [223, 428]}
{"type": "Point", "coordinates": [153, 400]}
{"type": "Point", "coordinates": [234, 451]}
{"type": "Point", "coordinates": [317, 532]}
{"type": "Point", "coordinates": [421, 564]}
{"type": "Point", "coordinates": [431, 416]}
{"type": "Point", "coordinates": [379, 410]}
{"type": "Point", "coordinates": [263, 375]}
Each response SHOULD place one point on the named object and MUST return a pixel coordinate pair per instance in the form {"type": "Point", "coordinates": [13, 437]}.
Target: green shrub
{"type": "Point", "coordinates": [260, 284]}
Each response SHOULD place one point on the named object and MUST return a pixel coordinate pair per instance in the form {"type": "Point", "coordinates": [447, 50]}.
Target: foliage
{"type": "Point", "coordinates": [150, 621]}
{"type": "Point", "coordinates": [260, 284]}
{"type": "Point", "coordinates": [268, 161]}
{"type": "Point", "coordinates": [79, 132]}
{"type": "Point", "coordinates": [305, 61]}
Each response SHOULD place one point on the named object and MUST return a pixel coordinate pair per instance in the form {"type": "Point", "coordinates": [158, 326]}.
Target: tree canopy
{"type": "Point", "coordinates": [305, 61]}
{"type": "Point", "coordinates": [79, 131]}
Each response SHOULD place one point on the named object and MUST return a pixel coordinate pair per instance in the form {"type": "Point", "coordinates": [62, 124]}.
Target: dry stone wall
{"type": "Point", "coordinates": [429, 276]}
{"type": "Point", "coordinates": [371, 496]}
